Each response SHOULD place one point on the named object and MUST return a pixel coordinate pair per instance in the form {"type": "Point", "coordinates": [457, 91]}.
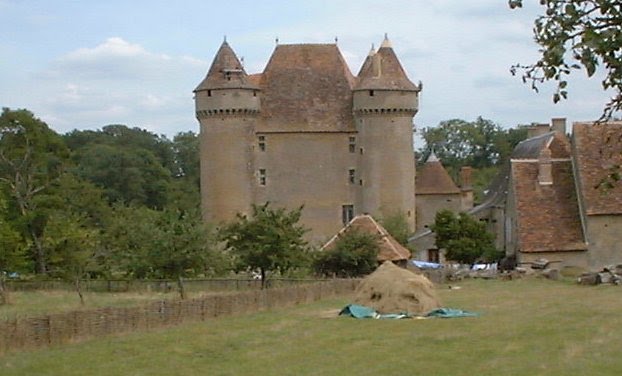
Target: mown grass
{"type": "Point", "coordinates": [33, 303]}
{"type": "Point", "coordinates": [526, 327]}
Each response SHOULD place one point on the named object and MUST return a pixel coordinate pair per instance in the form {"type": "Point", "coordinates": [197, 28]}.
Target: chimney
{"type": "Point", "coordinates": [465, 177]}
{"type": "Point", "coordinates": [545, 167]}
{"type": "Point", "coordinates": [559, 125]}
{"type": "Point", "coordinates": [537, 130]}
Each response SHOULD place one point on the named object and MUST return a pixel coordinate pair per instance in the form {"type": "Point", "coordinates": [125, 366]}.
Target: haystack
{"type": "Point", "coordinates": [391, 289]}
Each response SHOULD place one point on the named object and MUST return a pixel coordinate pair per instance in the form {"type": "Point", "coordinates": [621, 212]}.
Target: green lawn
{"type": "Point", "coordinates": [526, 327]}
{"type": "Point", "coordinates": [32, 303]}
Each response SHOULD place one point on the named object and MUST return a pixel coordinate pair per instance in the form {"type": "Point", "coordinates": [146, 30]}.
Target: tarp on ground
{"type": "Point", "coordinates": [362, 312]}
{"type": "Point", "coordinates": [448, 313]}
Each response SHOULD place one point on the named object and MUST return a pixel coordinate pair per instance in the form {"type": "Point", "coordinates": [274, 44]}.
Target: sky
{"type": "Point", "coordinates": [86, 64]}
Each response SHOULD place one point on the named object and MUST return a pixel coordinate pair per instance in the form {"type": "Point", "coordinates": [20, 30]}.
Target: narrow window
{"type": "Point", "coordinates": [351, 175]}
{"type": "Point", "coordinates": [361, 150]}
{"type": "Point", "coordinates": [352, 144]}
{"type": "Point", "coordinates": [209, 93]}
{"type": "Point", "coordinates": [262, 143]}
{"type": "Point", "coordinates": [347, 213]}
{"type": "Point", "coordinates": [361, 182]}
{"type": "Point", "coordinates": [254, 93]}
{"type": "Point", "coordinates": [371, 93]}
{"type": "Point", "coordinates": [262, 176]}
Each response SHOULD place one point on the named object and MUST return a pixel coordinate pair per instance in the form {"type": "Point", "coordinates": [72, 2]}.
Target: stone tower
{"type": "Point", "coordinates": [227, 107]}
{"type": "Point", "coordinates": [384, 104]}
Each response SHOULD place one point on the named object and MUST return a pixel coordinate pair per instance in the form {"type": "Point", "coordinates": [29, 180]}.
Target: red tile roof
{"type": "Point", "coordinates": [383, 71]}
{"type": "Point", "coordinates": [548, 215]}
{"type": "Point", "coordinates": [226, 72]}
{"type": "Point", "coordinates": [390, 249]}
{"type": "Point", "coordinates": [432, 178]}
{"type": "Point", "coordinates": [598, 150]}
{"type": "Point", "coordinates": [306, 87]}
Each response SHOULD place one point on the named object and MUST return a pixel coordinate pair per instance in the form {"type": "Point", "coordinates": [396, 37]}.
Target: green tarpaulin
{"type": "Point", "coordinates": [362, 312]}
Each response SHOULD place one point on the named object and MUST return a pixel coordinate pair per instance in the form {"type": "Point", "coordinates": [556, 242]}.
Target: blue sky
{"type": "Point", "coordinates": [86, 64]}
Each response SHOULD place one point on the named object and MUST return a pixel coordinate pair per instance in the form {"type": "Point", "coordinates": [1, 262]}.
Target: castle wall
{"type": "Point", "coordinates": [603, 236]}
{"type": "Point", "coordinates": [429, 205]}
{"type": "Point", "coordinates": [387, 166]}
{"type": "Point", "coordinates": [226, 167]}
{"type": "Point", "coordinates": [310, 169]}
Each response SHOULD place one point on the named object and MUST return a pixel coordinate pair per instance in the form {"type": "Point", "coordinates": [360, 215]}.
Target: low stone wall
{"type": "Point", "coordinates": [59, 328]}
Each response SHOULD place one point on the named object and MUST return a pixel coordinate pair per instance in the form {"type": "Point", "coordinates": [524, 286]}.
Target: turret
{"type": "Point", "coordinates": [384, 103]}
{"type": "Point", "coordinates": [227, 104]}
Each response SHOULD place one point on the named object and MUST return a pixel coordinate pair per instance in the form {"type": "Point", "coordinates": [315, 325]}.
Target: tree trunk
{"type": "Point", "coordinates": [263, 278]}
{"type": "Point", "coordinates": [78, 287]}
{"type": "Point", "coordinates": [40, 264]}
{"type": "Point", "coordinates": [4, 292]}
{"type": "Point", "coordinates": [181, 288]}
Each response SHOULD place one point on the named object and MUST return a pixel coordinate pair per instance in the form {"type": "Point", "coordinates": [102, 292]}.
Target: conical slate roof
{"type": "Point", "coordinates": [383, 71]}
{"type": "Point", "coordinates": [390, 249]}
{"type": "Point", "coordinates": [226, 72]}
{"type": "Point", "coordinates": [432, 178]}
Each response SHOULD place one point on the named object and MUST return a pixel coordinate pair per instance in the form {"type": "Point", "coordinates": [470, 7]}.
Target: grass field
{"type": "Point", "coordinates": [32, 303]}
{"type": "Point", "coordinates": [526, 327]}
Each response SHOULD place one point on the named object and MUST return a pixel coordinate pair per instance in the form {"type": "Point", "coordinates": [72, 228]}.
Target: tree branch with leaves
{"type": "Point", "coordinates": [576, 34]}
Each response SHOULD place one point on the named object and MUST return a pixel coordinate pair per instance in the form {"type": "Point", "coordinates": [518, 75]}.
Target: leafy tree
{"type": "Point", "coordinates": [397, 225]}
{"type": "Point", "coordinates": [32, 157]}
{"type": "Point", "coordinates": [464, 238]}
{"type": "Point", "coordinates": [576, 34]}
{"type": "Point", "coordinates": [182, 248]}
{"type": "Point", "coordinates": [71, 246]}
{"type": "Point", "coordinates": [12, 255]}
{"type": "Point", "coordinates": [478, 144]}
{"type": "Point", "coordinates": [269, 240]}
{"type": "Point", "coordinates": [355, 254]}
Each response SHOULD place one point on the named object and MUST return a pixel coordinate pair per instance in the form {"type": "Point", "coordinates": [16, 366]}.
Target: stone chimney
{"type": "Point", "coordinates": [537, 130]}
{"type": "Point", "coordinates": [465, 177]}
{"type": "Point", "coordinates": [559, 125]}
{"type": "Point", "coordinates": [545, 167]}
{"type": "Point", "coordinates": [466, 188]}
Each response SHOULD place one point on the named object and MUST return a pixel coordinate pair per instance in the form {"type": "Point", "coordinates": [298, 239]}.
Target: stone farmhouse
{"type": "Point", "coordinates": [558, 198]}
{"type": "Point", "coordinates": [306, 131]}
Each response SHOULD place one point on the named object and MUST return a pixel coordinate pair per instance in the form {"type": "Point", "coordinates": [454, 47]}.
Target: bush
{"type": "Point", "coordinates": [354, 254]}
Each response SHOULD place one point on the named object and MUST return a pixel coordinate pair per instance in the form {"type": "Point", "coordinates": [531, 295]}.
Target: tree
{"type": "Point", "coordinates": [71, 246]}
{"type": "Point", "coordinates": [481, 143]}
{"type": "Point", "coordinates": [269, 240]}
{"type": "Point", "coordinates": [464, 239]}
{"type": "Point", "coordinates": [182, 248]}
{"type": "Point", "coordinates": [575, 34]}
{"type": "Point", "coordinates": [355, 254]}
{"type": "Point", "coordinates": [32, 157]}
{"type": "Point", "coordinates": [12, 255]}
{"type": "Point", "coordinates": [397, 225]}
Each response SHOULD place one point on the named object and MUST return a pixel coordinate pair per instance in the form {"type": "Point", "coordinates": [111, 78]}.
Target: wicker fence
{"type": "Point", "coordinates": [155, 285]}
{"type": "Point", "coordinates": [53, 329]}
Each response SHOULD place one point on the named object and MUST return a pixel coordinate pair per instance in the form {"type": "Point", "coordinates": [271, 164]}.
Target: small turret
{"type": "Point", "coordinates": [382, 85]}
{"type": "Point", "coordinates": [227, 89]}
{"type": "Point", "coordinates": [384, 102]}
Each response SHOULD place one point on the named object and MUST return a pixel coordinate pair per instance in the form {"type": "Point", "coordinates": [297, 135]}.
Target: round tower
{"type": "Point", "coordinates": [227, 105]}
{"type": "Point", "coordinates": [384, 104]}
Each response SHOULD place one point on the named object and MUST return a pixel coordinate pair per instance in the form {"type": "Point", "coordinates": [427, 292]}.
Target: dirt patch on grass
{"type": "Point", "coordinates": [391, 289]}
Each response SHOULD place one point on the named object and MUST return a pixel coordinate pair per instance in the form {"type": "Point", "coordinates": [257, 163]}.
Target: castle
{"type": "Point", "coordinates": [308, 132]}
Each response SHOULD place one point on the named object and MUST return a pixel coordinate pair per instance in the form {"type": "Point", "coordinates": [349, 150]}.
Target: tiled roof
{"type": "Point", "coordinates": [306, 87]}
{"type": "Point", "coordinates": [598, 150]}
{"type": "Point", "coordinates": [432, 178]}
{"type": "Point", "coordinates": [531, 147]}
{"type": "Point", "coordinates": [226, 72]}
{"type": "Point", "coordinates": [548, 215]}
{"type": "Point", "coordinates": [390, 249]}
{"type": "Point", "coordinates": [383, 71]}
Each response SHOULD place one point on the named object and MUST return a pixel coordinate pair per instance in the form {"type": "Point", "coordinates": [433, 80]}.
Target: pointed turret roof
{"type": "Point", "coordinates": [432, 178]}
{"type": "Point", "coordinates": [389, 248]}
{"type": "Point", "coordinates": [226, 72]}
{"type": "Point", "coordinates": [383, 71]}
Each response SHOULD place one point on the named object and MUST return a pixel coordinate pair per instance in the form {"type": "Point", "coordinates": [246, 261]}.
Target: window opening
{"type": "Point", "coordinates": [351, 176]}
{"type": "Point", "coordinates": [352, 144]}
{"type": "Point", "coordinates": [262, 176]}
{"type": "Point", "coordinates": [347, 213]}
